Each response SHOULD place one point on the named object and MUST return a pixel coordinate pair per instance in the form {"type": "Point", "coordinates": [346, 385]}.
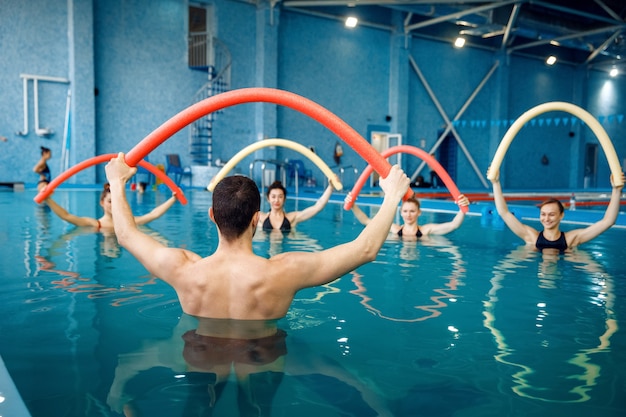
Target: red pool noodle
{"type": "Point", "coordinates": [425, 156]}
{"type": "Point", "coordinates": [268, 95]}
{"type": "Point", "coordinates": [43, 194]}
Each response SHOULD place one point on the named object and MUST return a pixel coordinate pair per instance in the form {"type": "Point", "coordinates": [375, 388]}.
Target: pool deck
{"type": "Point", "coordinates": [11, 403]}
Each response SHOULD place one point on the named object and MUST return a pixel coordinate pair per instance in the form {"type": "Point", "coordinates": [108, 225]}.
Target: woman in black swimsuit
{"type": "Point", "coordinates": [106, 221]}
{"type": "Point", "coordinates": [42, 168]}
{"type": "Point", "coordinates": [278, 219]}
{"type": "Point", "coordinates": [410, 212]}
{"type": "Point", "coordinates": [550, 215]}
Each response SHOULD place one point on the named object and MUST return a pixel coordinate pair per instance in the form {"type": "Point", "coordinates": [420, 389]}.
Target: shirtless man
{"type": "Point", "coordinates": [233, 282]}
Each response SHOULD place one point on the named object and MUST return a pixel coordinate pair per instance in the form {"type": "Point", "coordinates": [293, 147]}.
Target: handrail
{"type": "Point", "coordinates": [296, 176]}
{"type": "Point", "coordinates": [40, 131]}
{"type": "Point", "coordinates": [278, 164]}
{"type": "Point", "coordinates": [341, 170]}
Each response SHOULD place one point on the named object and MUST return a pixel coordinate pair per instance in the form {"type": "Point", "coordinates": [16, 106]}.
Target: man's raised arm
{"type": "Point", "coordinates": [319, 268]}
{"type": "Point", "coordinates": [161, 261]}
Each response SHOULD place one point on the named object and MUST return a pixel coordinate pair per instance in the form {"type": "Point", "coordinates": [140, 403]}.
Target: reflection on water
{"type": "Point", "coordinates": [409, 251]}
{"type": "Point", "coordinates": [189, 373]}
{"type": "Point", "coordinates": [128, 292]}
{"type": "Point", "coordinates": [544, 370]}
{"type": "Point", "coordinates": [73, 282]}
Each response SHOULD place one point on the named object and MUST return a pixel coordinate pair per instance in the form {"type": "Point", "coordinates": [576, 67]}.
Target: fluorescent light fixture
{"type": "Point", "coordinates": [551, 60]}
{"type": "Point", "coordinates": [465, 23]}
{"type": "Point", "coordinates": [351, 21]}
{"type": "Point", "coordinates": [613, 72]}
{"type": "Point", "coordinates": [459, 42]}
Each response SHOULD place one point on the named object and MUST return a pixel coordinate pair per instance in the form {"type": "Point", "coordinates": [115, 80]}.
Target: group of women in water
{"type": "Point", "coordinates": [551, 214]}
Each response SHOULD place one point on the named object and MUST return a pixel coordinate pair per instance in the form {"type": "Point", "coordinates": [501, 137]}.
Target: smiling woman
{"type": "Point", "coordinates": [551, 215]}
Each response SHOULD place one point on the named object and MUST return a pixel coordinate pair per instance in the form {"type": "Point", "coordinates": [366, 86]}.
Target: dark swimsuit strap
{"type": "Point", "coordinates": [418, 233]}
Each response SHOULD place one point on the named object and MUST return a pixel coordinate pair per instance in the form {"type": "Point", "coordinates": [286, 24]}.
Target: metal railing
{"type": "Point", "coordinates": [207, 52]}
{"type": "Point", "coordinates": [280, 169]}
{"type": "Point", "coordinates": [341, 170]}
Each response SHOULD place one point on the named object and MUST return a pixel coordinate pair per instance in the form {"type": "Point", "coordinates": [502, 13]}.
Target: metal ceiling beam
{"type": "Point", "coordinates": [608, 10]}
{"type": "Point", "coordinates": [595, 11]}
{"type": "Point", "coordinates": [566, 37]}
{"type": "Point", "coordinates": [449, 123]}
{"type": "Point", "coordinates": [509, 25]}
{"type": "Point", "coordinates": [458, 15]}
{"type": "Point", "coordinates": [339, 18]}
{"type": "Point", "coordinates": [576, 12]}
{"type": "Point", "coordinates": [354, 3]}
{"type": "Point", "coordinates": [602, 47]}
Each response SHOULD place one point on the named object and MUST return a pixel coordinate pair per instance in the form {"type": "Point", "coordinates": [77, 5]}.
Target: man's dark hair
{"type": "Point", "coordinates": [235, 201]}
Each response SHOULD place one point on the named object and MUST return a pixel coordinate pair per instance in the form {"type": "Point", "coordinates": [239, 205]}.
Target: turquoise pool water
{"type": "Point", "coordinates": [469, 324]}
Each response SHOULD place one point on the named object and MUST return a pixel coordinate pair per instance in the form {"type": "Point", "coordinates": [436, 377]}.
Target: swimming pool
{"type": "Point", "coordinates": [469, 324]}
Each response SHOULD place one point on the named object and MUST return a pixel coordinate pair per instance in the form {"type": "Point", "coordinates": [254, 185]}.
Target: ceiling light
{"type": "Point", "coordinates": [551, 60]}
{"type": "Point", "coordinates": [465, 23]}
{"type": "Point", "coordinates": [351, 21]}
{"type": "Point", "coordinates": [459, 42]}
{"type": "Point", "coordinates": [613, 72]}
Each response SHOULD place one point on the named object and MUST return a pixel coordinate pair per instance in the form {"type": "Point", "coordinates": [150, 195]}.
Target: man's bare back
{"type": "Point", "coordinates": [234, 282]}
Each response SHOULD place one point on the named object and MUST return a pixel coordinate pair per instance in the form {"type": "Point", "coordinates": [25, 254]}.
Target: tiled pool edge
{"type": "Point", "coordinates": [11, 403]}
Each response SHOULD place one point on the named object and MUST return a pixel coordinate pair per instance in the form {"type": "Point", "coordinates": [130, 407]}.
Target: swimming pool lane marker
{"type": "Point", "coordinates": [267, 95]}
{"type": "Point", "coordinates": [295, 146]}
{"type": "Point", "coordinates": [594, 125]}
{"type": "Point", "coordinates": [425, 156]}
{"type": "Point", "coordinates": [45, 193]}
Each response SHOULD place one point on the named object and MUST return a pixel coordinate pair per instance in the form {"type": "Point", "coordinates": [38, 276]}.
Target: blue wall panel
{"type": "Point", "coordinates": [35, 43]}
{"type": "Point", "coordinates": [235, 126]}
{"type": "Point", "coordinates": [142, 76]}
{"type": "Point", "coordinates": [606, 102]}
{"type": "Point", "coordinates": [452, 76]}
{"type": "Point", "coordinates": [345, 71]}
